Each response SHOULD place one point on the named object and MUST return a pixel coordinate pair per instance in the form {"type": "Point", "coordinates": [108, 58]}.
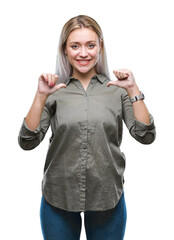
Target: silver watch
{"type": "Point", "coordinates": [136, 98]}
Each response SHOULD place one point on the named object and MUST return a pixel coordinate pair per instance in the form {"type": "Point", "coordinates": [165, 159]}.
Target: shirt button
{"type": "Point", "coordinates": [84, 146]}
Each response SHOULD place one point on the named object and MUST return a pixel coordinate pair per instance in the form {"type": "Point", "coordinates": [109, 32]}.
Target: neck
{"type": "Point", "coordinates": [84, 77]}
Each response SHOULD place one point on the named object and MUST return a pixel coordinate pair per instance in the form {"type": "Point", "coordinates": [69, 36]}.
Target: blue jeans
{"type": "Point", "coordinates": [59, 224]}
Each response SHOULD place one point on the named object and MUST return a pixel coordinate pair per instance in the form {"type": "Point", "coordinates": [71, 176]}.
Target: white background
{"type": "Point", "coordinates": [138, 36]}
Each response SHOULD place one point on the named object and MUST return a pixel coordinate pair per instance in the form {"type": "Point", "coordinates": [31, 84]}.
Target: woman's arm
{"type": "Point", "coordinates": [37, 121]}
{"type": "Point", "coordinates": [126, 80]}
{"type": "Point", "coordinates": [141, 112]}
{"type": "Point", "coordinates": [46, 86]}
{"type": "Point", "coordinates": [135, 115]}
{"type": "Point", "coordinates": [34, 115]}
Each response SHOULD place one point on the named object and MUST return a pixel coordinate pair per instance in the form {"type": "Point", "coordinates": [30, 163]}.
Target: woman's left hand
{"type": "Point", "coordinates": [125, 79]}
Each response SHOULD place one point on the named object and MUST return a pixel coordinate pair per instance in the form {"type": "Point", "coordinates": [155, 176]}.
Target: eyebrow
{"type": "Point", "coordinates": [92, 41]}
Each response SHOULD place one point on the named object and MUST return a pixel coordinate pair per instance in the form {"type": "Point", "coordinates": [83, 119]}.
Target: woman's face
{"type": "Point", "coordinates": [82, 49]}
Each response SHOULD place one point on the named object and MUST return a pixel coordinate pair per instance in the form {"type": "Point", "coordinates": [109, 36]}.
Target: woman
{"type": "Point", "coordinates": [84, 166]}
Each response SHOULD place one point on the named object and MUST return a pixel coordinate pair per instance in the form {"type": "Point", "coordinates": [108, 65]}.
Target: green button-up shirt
{"type": "Point", "coordinates": [84, 166]}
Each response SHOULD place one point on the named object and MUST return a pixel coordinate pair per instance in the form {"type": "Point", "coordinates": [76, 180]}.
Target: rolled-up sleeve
{"type": "Point", "coordinates": [143, 133]}
{"type": "Point", "coordinates": [29, 139]}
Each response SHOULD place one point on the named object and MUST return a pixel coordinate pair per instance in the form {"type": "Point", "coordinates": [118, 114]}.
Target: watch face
{"type": "Point", "coordinates": [142, 95]}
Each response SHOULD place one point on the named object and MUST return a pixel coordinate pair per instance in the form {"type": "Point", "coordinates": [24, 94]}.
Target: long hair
{"type": "Point", "coordinates": [63, 67]}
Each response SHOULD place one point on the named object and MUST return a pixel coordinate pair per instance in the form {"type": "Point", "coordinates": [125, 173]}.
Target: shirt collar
{"type": "Point", "coordinates": [99, 77]}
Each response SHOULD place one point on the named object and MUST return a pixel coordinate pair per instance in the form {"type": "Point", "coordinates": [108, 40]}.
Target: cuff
{"type": "Point", "coordinates": [141, 128]}
{"type": "Point", "coordinates": [26, 131]}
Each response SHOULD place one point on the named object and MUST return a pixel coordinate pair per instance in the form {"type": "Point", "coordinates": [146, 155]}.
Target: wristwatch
{"type": "Point", "coordinates": [136, 98]}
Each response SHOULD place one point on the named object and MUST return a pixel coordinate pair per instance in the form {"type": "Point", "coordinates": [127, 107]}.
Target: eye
{"type": "Point", "coordinates": [91, 46]}
{"type": "Point", "coordinates": [74, 46]}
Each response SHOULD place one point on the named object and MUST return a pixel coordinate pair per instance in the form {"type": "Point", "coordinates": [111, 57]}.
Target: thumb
{"type": "Point", "coordinates": [57, 87]}
{"type": "Point", "coordinates": [60, 85]}
{"type": "Point", "coordinates": [115, 83]}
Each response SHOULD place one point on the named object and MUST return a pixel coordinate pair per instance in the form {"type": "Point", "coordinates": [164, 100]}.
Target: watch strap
{"type": "Point", "coordinates": [136, 98]}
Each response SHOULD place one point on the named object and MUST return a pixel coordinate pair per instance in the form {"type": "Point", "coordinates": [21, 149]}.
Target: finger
{"type": "Point", "coordinates": [49, 79]}
{"type": "Point", "coordinates": [115, 73]}
{"type": "Point", "coordinates": [56, 87]}
{"type": "Point", "coordinates": [56, 76]}
{"type": "Point", "coordinates": [120, 74]}
{"type": "Point", "coordinates": [60, 85]}
{"type": "Point", "coordinates": [112, 83]}
{"type": "Point", "coordinates": [43, 76]}
{"type": "Point", "coordinates": [54, 79]}
{"type": "Point", "coordinates": [125, 75]}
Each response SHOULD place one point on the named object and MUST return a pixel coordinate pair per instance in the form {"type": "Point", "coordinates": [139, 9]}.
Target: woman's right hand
{"type": "Point", "coordinates": [47, 84]}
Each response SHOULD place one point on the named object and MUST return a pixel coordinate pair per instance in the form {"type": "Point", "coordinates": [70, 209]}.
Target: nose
{"type": "Point", "coordinates": [83, 52]}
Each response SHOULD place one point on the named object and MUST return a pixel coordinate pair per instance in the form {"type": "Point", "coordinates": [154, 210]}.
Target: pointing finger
{"type": "Point", "coordinates": [112, 83]}
{"type": "Point", "coordinates": [60, 85]}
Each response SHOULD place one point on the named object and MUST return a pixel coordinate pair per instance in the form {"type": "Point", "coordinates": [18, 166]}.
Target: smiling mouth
{"type": "Point", "coordinates": [84, 62]}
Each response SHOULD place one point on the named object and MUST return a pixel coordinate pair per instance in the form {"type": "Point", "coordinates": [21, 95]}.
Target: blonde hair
{"type": "Point", "coordinates": [63, 67]}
